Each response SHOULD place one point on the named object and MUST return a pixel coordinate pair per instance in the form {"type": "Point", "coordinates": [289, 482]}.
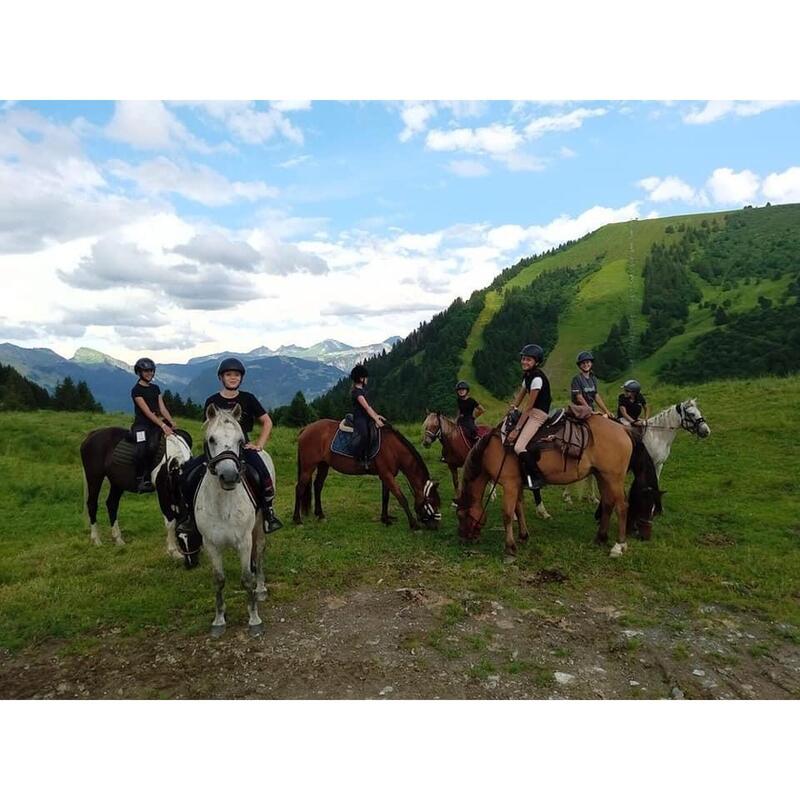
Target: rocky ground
{"type": "Point", "coordinates": [402, 642]}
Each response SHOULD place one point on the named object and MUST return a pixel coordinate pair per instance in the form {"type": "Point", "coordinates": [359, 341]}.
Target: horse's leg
{"type": "Point", "coordinates": [454, 476]}
{"type": "Point", "coordinates": [261, 545]}
{"type": "Point", "coordinates": [249, 570]}
{"type": "Point", "coordinates": [621, 506]}
{"type": "Point", "coordinates": [172, 542]}
{"type": "Point", "coordinates": [319, 482]}
{"type": "Point", "coordinates": [214, 555]}
{"type": "Point", "coordinates": [390, 481]}
{"type": "Point", "coordinates": [566, 496]}
{"type": "Point", "coordinates": [606, 506]}
{"type": "Point", "coordinates": [541, 511]}
{"type": "Point", "coordinates": [591, 494]}
{"type": "Point", "coordinates": [301, 492]}
{"type": "Point", "coordinates": [510, 502]}
{"type": "Point", "coordinates": [93, 487]}
{"type": "Point", "coordinates": [523, 525]}
{"type": "Point", "coordinates": [385, 518]}
{"type": "Point", "coordinates": [112, 504]}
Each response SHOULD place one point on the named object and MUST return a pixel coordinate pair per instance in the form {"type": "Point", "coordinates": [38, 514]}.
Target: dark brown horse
{"type": "Point", "coordinates": [455, 449]}
{"type": "Point", "coordinates": [608, 455]}
{"type": "Point", "coordinates": [396, 455]}
{"type": "Point", "coordinates": [99, 463]}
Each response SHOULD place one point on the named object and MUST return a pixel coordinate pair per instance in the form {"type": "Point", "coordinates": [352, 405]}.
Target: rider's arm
{"type": "Point", "coordinates": [164, 412]}
{"type": "Point", "coordinates": [478, 411]}
{"type": "Point", "coordinates": [266, 430]}
{"type": "Point", "coordinates": [600, 402]}
{"type": "Point", "coordinates": [362, 401]}
{"type": "Point", "coordinates": [149, 414]}
{"type": "Point", "coordinates": [624, 414]}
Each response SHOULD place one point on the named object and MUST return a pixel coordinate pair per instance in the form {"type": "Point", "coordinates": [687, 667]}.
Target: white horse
{"type": "Point", "coordinates": [661, 429]}
{"type": "Point", "coordinates": [227, 517]}
{"type": "Point", "coordinates": [659, 433]}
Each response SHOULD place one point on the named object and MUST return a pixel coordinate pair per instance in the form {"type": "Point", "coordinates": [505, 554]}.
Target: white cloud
{"type": "Point", "coordinates": [561, 122]}
{"type": "Point", "coordinates": [729, 187]}
{"type": "Point", "coordinates": [291, 105]}
{"type": "Point", "coordinates": [194, 181]}
{"type": "Point", "coordinates": [294, 162]}
{"type": "Point", "coordinates": [492, 139]}
{"type": "Point", "coordinates": [248, 123]}
{"type": "Point", "coordinates": [782, 187]}
{"type": "Point", "coordinates": [717, 109]}
{"type": "Point", "coordinates": [520, 162]}
{"type": "Point", "coordinates": [467, 168]}
{"type": "Point", "coordinates": [415, 117]}
{"type": "Point", "coordinates": [216, 248]}
{"type": "Point", "coordinates": [664, 190]}
{"type": "Point", "coordinates": [150, 125]}
{"type": "Point", "coordinates": [566, 152]}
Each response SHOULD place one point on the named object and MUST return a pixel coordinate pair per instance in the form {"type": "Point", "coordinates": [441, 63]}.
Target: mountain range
{"type": "Point", "coordinates": [274, 376]}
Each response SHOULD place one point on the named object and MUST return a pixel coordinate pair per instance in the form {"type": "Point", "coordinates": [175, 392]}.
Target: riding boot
{"type": "Point", "coordinates": [534, 480]}
{"type": "Point", "coordinates": [143, 484]}
{"type": "Point", "coordinates": [271, 521]}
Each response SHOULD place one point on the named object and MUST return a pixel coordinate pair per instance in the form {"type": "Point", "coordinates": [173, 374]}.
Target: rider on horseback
{"type": "Point", "coordinates": [231, 372]}
{"type": "Point", "coordinates": [468, 410]}
{"type": "Point", "coordinates": [631, 404]}
{"type": "Point", "coordinates": [362, 413]}
{"type": "Point", "coordinates": [584, 384]}
{"type": "Point", "coordinates": [535, 387]}
{"type": "Point", "coordinates": [151, 417]}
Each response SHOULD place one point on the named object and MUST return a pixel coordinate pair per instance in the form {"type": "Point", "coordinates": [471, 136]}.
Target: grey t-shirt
{"type": "Point", "coordinates": [585, 385]}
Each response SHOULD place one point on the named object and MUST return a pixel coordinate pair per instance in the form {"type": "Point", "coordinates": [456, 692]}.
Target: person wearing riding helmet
{"type": "Point", "coordinates": [150, 418]}
{"type": "Point", "coordinates": [536, 390]}
{"type": "Point", "coordinates": [631, 404]}
{"type": "Point", "coordinates": [468, 410]}
{"type": "Point", "coordinates": [584, 384]}
{"type": "Point", "coordinates": [231, 372]}
{"type": "Point", "coordinates": [362, 414]}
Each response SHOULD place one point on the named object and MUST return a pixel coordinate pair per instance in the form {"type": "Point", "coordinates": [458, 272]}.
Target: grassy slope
{"type": "Point", "coordinates": [729, 534]}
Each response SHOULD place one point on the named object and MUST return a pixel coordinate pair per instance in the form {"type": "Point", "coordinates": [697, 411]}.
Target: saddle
{"type": "Point", "coordinates": [482, 430]}
{"type": "Point", "coordinates": [566, 430]}
{"type": "Point", "coordinates": [123, 457]}
{"type": "Point", "coordinates": [342, 443]}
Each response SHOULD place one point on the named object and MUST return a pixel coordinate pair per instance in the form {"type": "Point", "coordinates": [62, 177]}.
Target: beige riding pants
{"type": "Point", "coordinates": [536, 418]}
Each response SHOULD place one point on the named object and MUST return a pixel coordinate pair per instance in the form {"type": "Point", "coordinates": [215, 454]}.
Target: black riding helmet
{"type": "Point", "coordinates": [632, 386]}
{"type": "Point", "coordinates": [462, 385]}
{"type": "Point", "coordinates": [142, 364]}
{"type": "Point", "coordinates": [231, 365]}
{"type": "Point", "coordinates": [584, 355]}
{"type": "Point", "coordinates": [359, 372]}
{"type": "Point", "coordinates": [533, 351]}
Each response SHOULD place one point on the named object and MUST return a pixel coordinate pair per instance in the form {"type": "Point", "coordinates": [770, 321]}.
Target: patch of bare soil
{"type": "Point", "coordinates": [409, 642]}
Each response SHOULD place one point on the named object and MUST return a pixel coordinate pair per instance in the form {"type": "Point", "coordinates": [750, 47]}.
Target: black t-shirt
{"type": "Point", "coordinates": [531, 380]}
{"type": "Point", "coordinates": [251, 408]}
{"type": "Point", "coordinates": [466, 406]}
{"type": "Point", "coordinates": [634, 406]}
{"type": "Point", "coordinates": [150, 395]}
{"type": "Point", "coordinates": [358, 410]}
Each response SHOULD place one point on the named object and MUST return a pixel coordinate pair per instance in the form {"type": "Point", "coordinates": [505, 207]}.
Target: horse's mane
{"type": "Point", "coordinates": [414, 452]}
{"type": "Point", "coordinates": [474, 461]}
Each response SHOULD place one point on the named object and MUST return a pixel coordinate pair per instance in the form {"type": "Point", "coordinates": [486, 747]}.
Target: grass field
{"type": "Point", "coordinates": [729, 535]}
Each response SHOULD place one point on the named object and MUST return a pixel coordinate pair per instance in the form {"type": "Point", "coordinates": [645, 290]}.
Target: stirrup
{"type": "Point", "coordinates": [144, 486]}
{"type": "Point", "coordinates": [270, 520]}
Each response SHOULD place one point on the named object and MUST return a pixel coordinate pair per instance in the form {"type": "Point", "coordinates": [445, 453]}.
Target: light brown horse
{"type": "Point", "coordinates": [455, 449]}
{"type": "Point", "coordinates": [396, 455]}
{"type": "Point", "coordinates": [608, 455]}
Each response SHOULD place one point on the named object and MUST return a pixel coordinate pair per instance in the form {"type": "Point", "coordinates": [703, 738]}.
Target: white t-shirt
{"type": "Point", "coordinates": [536, 383]}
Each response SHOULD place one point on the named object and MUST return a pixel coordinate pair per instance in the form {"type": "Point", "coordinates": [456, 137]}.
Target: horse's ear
{"type": "Point", "coordinates": [237, 412]}
{"type": "Point", "coordinates": [211, 412]}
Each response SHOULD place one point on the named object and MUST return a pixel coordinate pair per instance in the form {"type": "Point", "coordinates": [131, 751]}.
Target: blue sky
{"type": "Point", "coordinates": [179, 229]}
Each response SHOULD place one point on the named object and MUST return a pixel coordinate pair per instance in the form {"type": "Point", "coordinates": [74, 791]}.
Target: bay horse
{"type": "Point", "coordinates": [396, 455]}
{"type": "Point", "coordinates": [608, 455]}
{"type": "Point", "coordinates": [455, 449]}
{"type": "Point", "coordinates": [97, 457]}
{"type": "Point", "coordinates": [226, 515]}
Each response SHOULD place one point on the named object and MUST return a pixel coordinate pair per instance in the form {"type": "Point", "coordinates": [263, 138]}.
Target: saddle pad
{"type": "Point", "coordinates": [341, 444]}
{"type": "Point", "coordinates": [123, 455]}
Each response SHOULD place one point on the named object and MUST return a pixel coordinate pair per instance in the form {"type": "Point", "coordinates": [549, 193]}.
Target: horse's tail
{"type": "Point", "coordinates": [305, 498]}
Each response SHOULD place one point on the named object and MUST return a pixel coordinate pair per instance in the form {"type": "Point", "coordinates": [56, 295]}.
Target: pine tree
{"type": "Point", "coordinates": [299, 412]}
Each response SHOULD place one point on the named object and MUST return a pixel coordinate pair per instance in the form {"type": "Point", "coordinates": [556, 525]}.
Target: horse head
{"type": "Point", "coordinates": [431, 428]}
{"type": "Point", "coordinates": [223, 445]}
{"type": "Point", "coordinates": [692, 418]}
{"type": "Point", "coordinates": [428, 505]}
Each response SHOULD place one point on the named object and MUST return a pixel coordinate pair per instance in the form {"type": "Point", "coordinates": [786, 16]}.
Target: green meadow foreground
{"type": "Point", "coordinates": [709, 608]}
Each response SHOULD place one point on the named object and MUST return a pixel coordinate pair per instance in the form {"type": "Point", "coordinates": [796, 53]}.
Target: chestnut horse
{"type": "Point", "coordinates": [455, 450]}
{"type": "Point", "coordinates": [397, 454]}
{"type": "Point", "coordinates": [608, 455]}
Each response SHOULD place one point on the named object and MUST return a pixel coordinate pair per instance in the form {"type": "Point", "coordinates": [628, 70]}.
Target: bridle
{"type": "Point", "coordinates": [690, 424]}
{"type": "Point", "coordinates": [427, 505]}
{"type": "Point", "coordinates": [431, 437]}
{"type": "Point", "coordinates": [224, 455]}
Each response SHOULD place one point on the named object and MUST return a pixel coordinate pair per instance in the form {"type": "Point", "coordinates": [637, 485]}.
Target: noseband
{"type": "Point", "coordinates": [431, 437]}
{"type": "Point", "coordinates": [691, 424]}
{"type": "Point", "coordinates": [225, 455]}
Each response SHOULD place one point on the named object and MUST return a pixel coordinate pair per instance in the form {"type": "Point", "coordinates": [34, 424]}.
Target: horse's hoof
{"type": "Point", "coordinates": [256, 630]}
{"type": "Point", "coordinates": [95, 542]}
{"type": "Point", "coordinates": [322, 519]}
{"type": "Point", "coordinates": [217, 631]}
{"type": "Point", "coordinates": [509, 559]}
{"type": "Point", "coordinates": [542, 512]}
{"type": "Point", "coordinates": [618, 549]}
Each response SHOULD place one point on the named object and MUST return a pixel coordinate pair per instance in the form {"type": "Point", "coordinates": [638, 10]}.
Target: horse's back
{"type": "Point", "coordinates": [100, 442]}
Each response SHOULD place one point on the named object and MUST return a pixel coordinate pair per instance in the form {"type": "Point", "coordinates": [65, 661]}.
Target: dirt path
{"type": "Point", "coordinates": [409, 642]}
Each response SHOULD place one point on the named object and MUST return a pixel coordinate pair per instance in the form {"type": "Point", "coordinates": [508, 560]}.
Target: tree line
{"type": "Point", "coordinates": [18, 393]}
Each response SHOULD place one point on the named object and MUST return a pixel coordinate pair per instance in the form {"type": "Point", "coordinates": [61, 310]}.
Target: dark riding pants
{"type": "Point", "coordinates": [145, 441]}
{"type": "Point", "coordinates": [468, 424]}
{"type": "Point", "coordinates": [361, 438]}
